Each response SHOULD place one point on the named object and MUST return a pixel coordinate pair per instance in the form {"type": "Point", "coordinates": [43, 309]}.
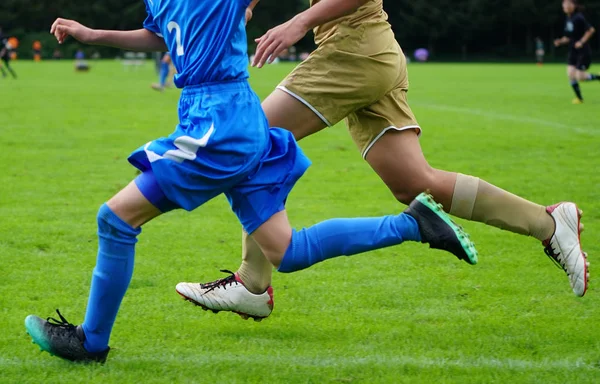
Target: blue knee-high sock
{"type": "Point", "coordinates": [114, 268]}
{"type": "Point", "coordinates": [345, 237]}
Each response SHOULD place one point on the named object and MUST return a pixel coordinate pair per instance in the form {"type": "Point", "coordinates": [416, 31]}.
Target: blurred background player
{"type": "Point", "coordinates": [578, 32]}
{"type": "Point", "coordinates": [157, 58]}
{"type": "Point", "coordinates": [5, 54]}
{"type": "Point", "coordinates": [356, 47]}
{"type": "Point", "coordinates": [540, 52]}
{"type": "Point", "coordinates": [164, 73]}
{"type": "Point", "coordinates": [37, 51]}
{"type": "Point", "coordinates": [81, 65]}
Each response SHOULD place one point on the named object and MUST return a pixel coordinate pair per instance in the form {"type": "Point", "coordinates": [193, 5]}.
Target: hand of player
{"type": "Point", "coordinates": [557, 43]}
{"type": "Point", "coordinates": [276, 40]}
{"type": "Point", "coordinates": [248, 15]}
{"type": "Point", "coordinates": [62, 28]}
{"type": "Point", "coordinates": [579, 45]}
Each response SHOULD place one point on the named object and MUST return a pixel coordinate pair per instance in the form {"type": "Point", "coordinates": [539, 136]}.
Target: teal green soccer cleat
{"type": "Point", "coordinates": [439, 230]}
{"type": "Point", "coordinates": [62, 339]}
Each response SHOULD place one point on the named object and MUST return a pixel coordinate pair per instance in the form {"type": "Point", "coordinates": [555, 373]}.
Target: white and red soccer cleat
{"type": "Point", "coordinates": [229, 294]}
{"type": "Point", "coordinates": [564, 247]}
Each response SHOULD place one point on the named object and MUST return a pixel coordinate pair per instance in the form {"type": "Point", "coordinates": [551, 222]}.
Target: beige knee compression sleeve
{"type": "Point", "coordinates": [255, 270]}
{"type": "Point", "coordinates": [477, 200]}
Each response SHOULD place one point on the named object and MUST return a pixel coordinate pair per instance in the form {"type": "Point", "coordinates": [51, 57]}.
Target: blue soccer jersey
{"type": "Point", "coordinates": [207, 39]}
{"type": "Point", "coordinates": [222, 143]}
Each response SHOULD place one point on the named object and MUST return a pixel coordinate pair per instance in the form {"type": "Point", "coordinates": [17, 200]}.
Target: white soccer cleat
{"type": "Point", "coordinates": [228, 294]}
{"type": "Point", "coordinates": [564, 247]}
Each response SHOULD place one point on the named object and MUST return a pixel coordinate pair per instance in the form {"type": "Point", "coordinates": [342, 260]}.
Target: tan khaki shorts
{"type": "Point", "coordinates": [358, 74]}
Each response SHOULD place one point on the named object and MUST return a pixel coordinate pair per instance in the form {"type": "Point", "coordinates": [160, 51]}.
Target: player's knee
{"type": "Point", "coordinates": [105, 219]}
{"type": "Point", "coordinates": [112, 227]}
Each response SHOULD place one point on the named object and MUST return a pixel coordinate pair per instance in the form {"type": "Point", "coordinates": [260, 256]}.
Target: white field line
{"type": "Point", "coordinates": [509, 117]}
{"type": "Point", "coordinates": [339, 362]}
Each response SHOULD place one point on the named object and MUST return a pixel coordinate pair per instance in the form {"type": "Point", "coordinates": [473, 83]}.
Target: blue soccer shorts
{"type": "Point", "coordinates": [222, 144]}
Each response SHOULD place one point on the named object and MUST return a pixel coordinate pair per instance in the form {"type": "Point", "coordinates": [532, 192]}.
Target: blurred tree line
{"type": "Point", "coordinates": [450, 29]}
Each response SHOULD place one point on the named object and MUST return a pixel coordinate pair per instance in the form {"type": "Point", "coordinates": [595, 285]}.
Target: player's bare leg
{"type": "Point", "coordinates": [289, 251]}
{"type": "Point", "coordinates": [575, 77]}
{"type": "Point", "coordinates": [282, 110]}
{"type": "Point", "coordinates": [579, 75]}
{"type": "Point", "coordinates": [132, 207]}
{"type": "Point", "coordinates": [398, 160]}
{"type": "Point", "coordinates": [9, 68]}
{"type": "Point", "coordinates": [249, 289]}
{"type": "Point", "coordinates": [232, 293]}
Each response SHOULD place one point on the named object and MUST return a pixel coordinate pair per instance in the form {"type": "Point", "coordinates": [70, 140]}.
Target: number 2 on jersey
{"type": "Point", "coordinates": [174, 26]}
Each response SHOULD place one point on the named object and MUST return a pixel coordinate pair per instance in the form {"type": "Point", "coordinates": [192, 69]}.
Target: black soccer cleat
{"type": "Point", "coordinates": [62, 339]}
{"type": "Point", "coordinates": [439, 231]}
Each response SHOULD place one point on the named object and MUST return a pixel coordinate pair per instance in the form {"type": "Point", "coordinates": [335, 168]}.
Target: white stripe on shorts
{"type": "Point", "coordinates": [284, 89]}
{"type": "Point", "coordinates": [364, 154]}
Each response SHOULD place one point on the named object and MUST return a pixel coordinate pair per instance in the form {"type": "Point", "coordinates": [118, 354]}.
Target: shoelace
{"type": "Point", "coordinates": [220, 283]}
{"type": "Point", "coordinates": [60, 324]}
{"type": "Point", "coordinates": [549, 251]}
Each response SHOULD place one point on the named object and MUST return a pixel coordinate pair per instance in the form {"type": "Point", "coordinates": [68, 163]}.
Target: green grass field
{"type": "Point", "coordinates": [400, 315]}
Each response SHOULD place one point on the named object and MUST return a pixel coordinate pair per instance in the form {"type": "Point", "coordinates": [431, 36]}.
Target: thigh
{"type": "Point", "coordinates": [292, 113]}
{"type": "Point", "coordinates": [571, 71]}
{"type": "Point", "coordinates": [398, 159]}
{"type": "Point", "coordinates": [131, 206]}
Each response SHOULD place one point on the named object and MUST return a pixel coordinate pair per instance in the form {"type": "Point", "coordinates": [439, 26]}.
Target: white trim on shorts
{"type": "Point", "coordinates": [284, 89]}
{"type": "Point", "coordinates": [364, 154]}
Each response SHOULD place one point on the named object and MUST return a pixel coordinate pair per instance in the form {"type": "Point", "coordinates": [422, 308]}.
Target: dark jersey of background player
{"type": "Point", "coordinates": [575, 28]}
{"type": "Point", "coordinates": [3, 44]}
{"type": "Point", "coordinates": [5, 49]}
